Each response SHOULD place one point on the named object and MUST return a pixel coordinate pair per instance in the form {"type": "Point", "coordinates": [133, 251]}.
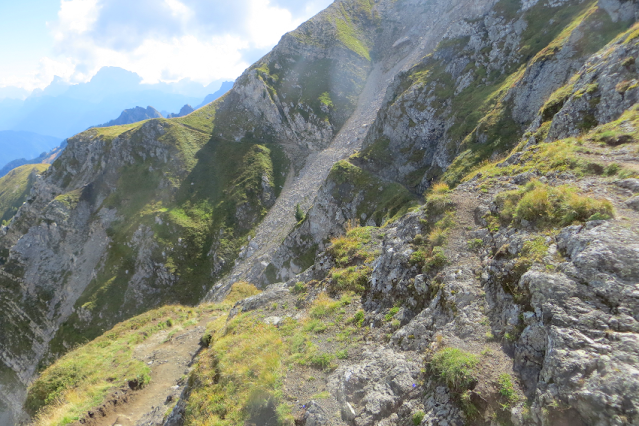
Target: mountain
{"type": "Point", "coordinates": [408, 212]}
{"type": "Point", "coordinates": [22, 144]}
{"type": "Point", "coordinates": [185, 110]}
{"type": "Point", "coordinates": [44, 158]}
{"type": "Point", "coordinates": [226, 86]}
{"type": "Point", "coordinates": [133, 115]}
{"type": "Point", "coordinates": [62, 110]}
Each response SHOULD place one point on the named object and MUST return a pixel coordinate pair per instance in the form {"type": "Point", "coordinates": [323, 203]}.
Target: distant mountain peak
{"type": "Point", "coordinates": [185, 110]}
{"type": "Point", "coordinates": [133, 115]}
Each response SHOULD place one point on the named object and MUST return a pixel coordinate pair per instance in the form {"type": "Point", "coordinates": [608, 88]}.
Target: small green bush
{"type": "Point", "coordinates": [455, 367]}
{"type": "Point", "coordinates": [352, 278]}
{"type": "Point", "coordinates": [438, 236]}
{"type": "Point", "coordinates": [545, 206]}
{"type": "Point", "coordinates": [437, 260]}
{"type": "Point", "coordinates": [417, 257]}
{"type": "Point", "coordinates": [507, 389]}
{"type": "Point", "coordinates": [438, 203]}
{"type": "Point", "coordinates": [599, 216]}
{"type": "Point", "coordinates": [389, 316]}
{"type": "Point", "coordinates": [324, 307]}
{"type": "Point", "coordinates": [299, 343]}
{"type": "Point", "coordinates": [359, 317]}
{"type": "Point", "coordinates": [299, 213]}
{"type": "Point", "coordinates": [418, 417]}
{"type": "Point", "coordinates": [321, 361]}
{"type": "Point", "coordinates": [343, 354]}
{"type": "Point", "coordinates": [475, 244]}
{"type": "Point", "coordinates": [612, 169]}
{"type": "Point", "coordinates": [206, 339]}
{"type": "Point", "coordinates": [316, 326]}
{"type": "Point", "coordinates": [298, 288]}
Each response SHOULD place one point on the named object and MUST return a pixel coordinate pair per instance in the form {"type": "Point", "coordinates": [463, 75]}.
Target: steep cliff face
{"type": "Point", "coordinates": [481, 88]}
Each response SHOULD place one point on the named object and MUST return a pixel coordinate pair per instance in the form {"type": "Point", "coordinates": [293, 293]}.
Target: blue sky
{"type": "Point", "coordinates": [162, 40]}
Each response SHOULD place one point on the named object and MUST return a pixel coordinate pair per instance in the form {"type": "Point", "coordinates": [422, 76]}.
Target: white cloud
{"type": "Point", "coordinates": [46, 70]}
{"type": "Point", "coordinates": [179, 9]}
{"type": "Point", "coordinates": [76, 17]}
{"type": "Point", "coordinates": [166, 40]}
{"type": "Point", "coordinates": [200, 60]}
{"type": "Point", "coordinates": [266, 23]}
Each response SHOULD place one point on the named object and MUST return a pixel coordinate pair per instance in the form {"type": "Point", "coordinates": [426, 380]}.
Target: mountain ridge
{"type": "Point", "coordinates": [63, 110]}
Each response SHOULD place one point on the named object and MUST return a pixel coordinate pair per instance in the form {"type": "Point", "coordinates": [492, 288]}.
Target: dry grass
{"type": "Point", "coordinates": [84, 378]}
{"type": "Point", "coordinates": [547, 206]}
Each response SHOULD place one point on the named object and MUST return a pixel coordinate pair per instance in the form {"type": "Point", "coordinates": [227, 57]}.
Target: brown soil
{"type": "Point", "coordinates": [170, 360]}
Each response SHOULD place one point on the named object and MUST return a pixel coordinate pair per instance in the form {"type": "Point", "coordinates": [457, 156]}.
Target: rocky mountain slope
{"type": "Point", "coordinates": [507, 299]}
{"type": "Point", "coordinates": [15, 188]}
{"type": "Point", "coordinates": [133, 115]}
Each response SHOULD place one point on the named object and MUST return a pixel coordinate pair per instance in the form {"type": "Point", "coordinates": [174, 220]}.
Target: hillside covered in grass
{"type": "Point", "coordinates": [15, 188]}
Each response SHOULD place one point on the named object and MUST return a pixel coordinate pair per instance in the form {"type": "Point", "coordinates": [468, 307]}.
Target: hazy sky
{"type": "Point", "coordinates": [161, 40]}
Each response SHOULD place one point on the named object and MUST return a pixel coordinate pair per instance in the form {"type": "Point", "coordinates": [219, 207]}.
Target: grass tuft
{"type": "Point", "coordinates": [455, 367]}
{"type": "Point", "coordinates": [547, 206]}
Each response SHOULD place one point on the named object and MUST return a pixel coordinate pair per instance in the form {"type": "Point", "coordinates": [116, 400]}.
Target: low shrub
{"type": "Point", "coordinates": [389, 316]}
{"type": "Point", "coordinates": [350, 247]}
{"type": "Point", "coordinates": [324, 306]}
{"type": "Point", "coordinates": [240, 291]}
{"type": "Point", "coordinates": [299, 213]}
{"type": "Point", "coordinates": [475, 244]}
{"type": "Point", "coordinates": [315, 326]}
{"type": "Point", "coordinates": [429, 261]}
{"type": "Point", "coordinates": [352, 278]}
{"type": "Point", "coordinates": [507, 390]}
{"type": "Point", "coordinates": [438, 203]}
{"type": "Point", "coordinates": [547, 206]}
{"type": "Point", "coordinates": [455, 367]}
{"type": "Point", "coordinates": [322, 361]}
{"type": "Point", "coordinates": [298, 288]}
{"type": "Point", "coordinates": [440, 188]}
{"type": "Point", "coordinates": [418, 417]}
{"type": "Point", "coordinates": [359, 317]}
{"type": "Point", "coordinates": [342, 354]}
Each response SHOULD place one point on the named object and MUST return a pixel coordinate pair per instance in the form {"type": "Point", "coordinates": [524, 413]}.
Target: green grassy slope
{"type": "Point", "coordinates": [228, 163]}
{"type": "Point", "coordinates": [15, 187]}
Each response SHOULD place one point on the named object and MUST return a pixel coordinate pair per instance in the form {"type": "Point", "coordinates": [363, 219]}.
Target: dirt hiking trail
{"type": "Point", "coordinates": [170, 355]}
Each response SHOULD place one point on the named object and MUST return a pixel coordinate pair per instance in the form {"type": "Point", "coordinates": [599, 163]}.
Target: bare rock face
{"type": "Point", "coordinates": [377, 391]}
{"type": "Point", "coordinates": [604, 89]}
{"type": "Point", "coordinates": [589, 314]}
{"type": "Point", "coordinates": [427, 122]}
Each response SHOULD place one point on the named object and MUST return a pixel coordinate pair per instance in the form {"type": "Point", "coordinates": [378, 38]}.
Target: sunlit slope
{"type": "Point", "coordinates": [15, 188]}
